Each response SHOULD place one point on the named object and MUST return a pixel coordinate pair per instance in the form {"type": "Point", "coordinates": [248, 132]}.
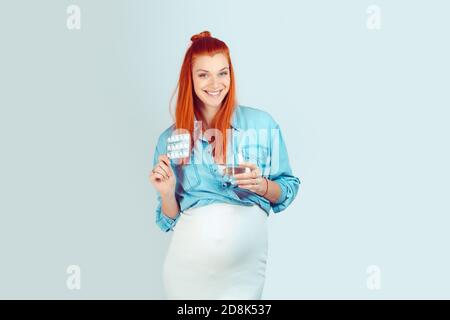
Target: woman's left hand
{"type": "Point", "coordinates": [252, 180]}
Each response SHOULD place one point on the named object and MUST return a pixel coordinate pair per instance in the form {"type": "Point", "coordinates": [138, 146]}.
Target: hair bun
{"type": "Point", "coordinates": [204, 34]}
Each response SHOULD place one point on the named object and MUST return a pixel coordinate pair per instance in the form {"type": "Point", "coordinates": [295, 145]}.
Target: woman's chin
{"type": "Point", "coordinates": [213, 104]}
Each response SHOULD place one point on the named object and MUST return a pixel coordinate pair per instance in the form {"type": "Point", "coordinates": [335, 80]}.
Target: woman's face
{"type": "Point", "coordinates": [211, 78]}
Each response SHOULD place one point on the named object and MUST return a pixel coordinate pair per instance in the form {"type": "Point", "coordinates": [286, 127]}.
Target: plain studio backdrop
{"type": "Point", "coordinates": [362, 104]}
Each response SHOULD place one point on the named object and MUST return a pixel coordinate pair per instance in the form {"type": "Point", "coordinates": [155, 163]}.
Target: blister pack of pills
{"type": "Point", "coordinates": [178, 146]}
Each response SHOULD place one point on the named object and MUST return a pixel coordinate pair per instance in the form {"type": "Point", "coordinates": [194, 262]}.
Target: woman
{"type": "Point", "coordinates": [219, 245]}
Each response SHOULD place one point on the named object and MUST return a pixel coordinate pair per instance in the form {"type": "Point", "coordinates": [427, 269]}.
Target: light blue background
{"type": "Point", "coordinates": [364, 114]}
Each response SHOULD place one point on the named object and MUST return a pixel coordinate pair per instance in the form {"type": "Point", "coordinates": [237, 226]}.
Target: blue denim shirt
{"type": "Point", "coordinates": [256, 138]}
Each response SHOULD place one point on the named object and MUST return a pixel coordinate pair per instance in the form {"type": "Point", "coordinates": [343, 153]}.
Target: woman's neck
{"type": "Point", "coordinates": [208, 114]}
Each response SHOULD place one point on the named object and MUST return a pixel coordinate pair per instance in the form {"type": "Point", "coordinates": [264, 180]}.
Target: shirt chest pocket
{"type": "Point", "coordinates": [189, 176]}
{"type": "Point", "coordinates": [256, 153]}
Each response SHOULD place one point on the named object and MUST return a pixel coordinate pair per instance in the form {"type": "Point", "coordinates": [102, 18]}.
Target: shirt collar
{"type": "Point", "coordinates": [235, 119]}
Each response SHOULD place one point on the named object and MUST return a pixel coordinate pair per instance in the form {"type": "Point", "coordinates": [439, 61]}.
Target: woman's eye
{"type": "Point", "coordinates": [224, 73]}
{"type": "Point", "coordinates": [202, 75]}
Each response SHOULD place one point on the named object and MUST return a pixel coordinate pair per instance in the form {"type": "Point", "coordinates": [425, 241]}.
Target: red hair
{"type": "Point", "coordinates": [186, 107]}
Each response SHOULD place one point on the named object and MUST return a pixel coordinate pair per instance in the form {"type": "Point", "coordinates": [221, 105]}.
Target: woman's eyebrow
{"type": "Point", "coordinates": [208, 71]}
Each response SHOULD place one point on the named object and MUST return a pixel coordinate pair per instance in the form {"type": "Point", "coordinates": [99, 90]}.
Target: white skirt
{"type": "Point", "coordinates": [218, 251]}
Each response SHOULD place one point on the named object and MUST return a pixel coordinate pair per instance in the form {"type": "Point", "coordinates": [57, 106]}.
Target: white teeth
{"type": "Point", "coordinates": [214, 93]}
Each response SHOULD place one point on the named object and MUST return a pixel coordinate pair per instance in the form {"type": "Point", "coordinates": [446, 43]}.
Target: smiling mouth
{"type": "Point", "coordinates": [213, 93]}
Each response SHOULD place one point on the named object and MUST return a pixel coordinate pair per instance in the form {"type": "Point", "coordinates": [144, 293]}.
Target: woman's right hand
{"type": "Point", "coordinates": [162, 177]}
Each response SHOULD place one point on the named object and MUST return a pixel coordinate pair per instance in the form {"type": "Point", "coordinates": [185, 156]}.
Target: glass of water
{"type": "Point", "coordinates": [228, 171]}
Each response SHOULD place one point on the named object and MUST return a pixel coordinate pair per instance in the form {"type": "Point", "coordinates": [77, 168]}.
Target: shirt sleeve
{"type": "Point", "coordinates": [281, 173]}
{"type": "Point", "coordinates": [164, 222]}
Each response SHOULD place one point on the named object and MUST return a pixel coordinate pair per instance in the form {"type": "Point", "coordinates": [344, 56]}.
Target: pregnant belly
{"type": "Point", "coordinates": [220, 236]}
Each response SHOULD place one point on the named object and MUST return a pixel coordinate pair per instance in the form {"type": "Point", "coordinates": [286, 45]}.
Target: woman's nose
{"type": "Point", "coordinates": [214, 81]}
